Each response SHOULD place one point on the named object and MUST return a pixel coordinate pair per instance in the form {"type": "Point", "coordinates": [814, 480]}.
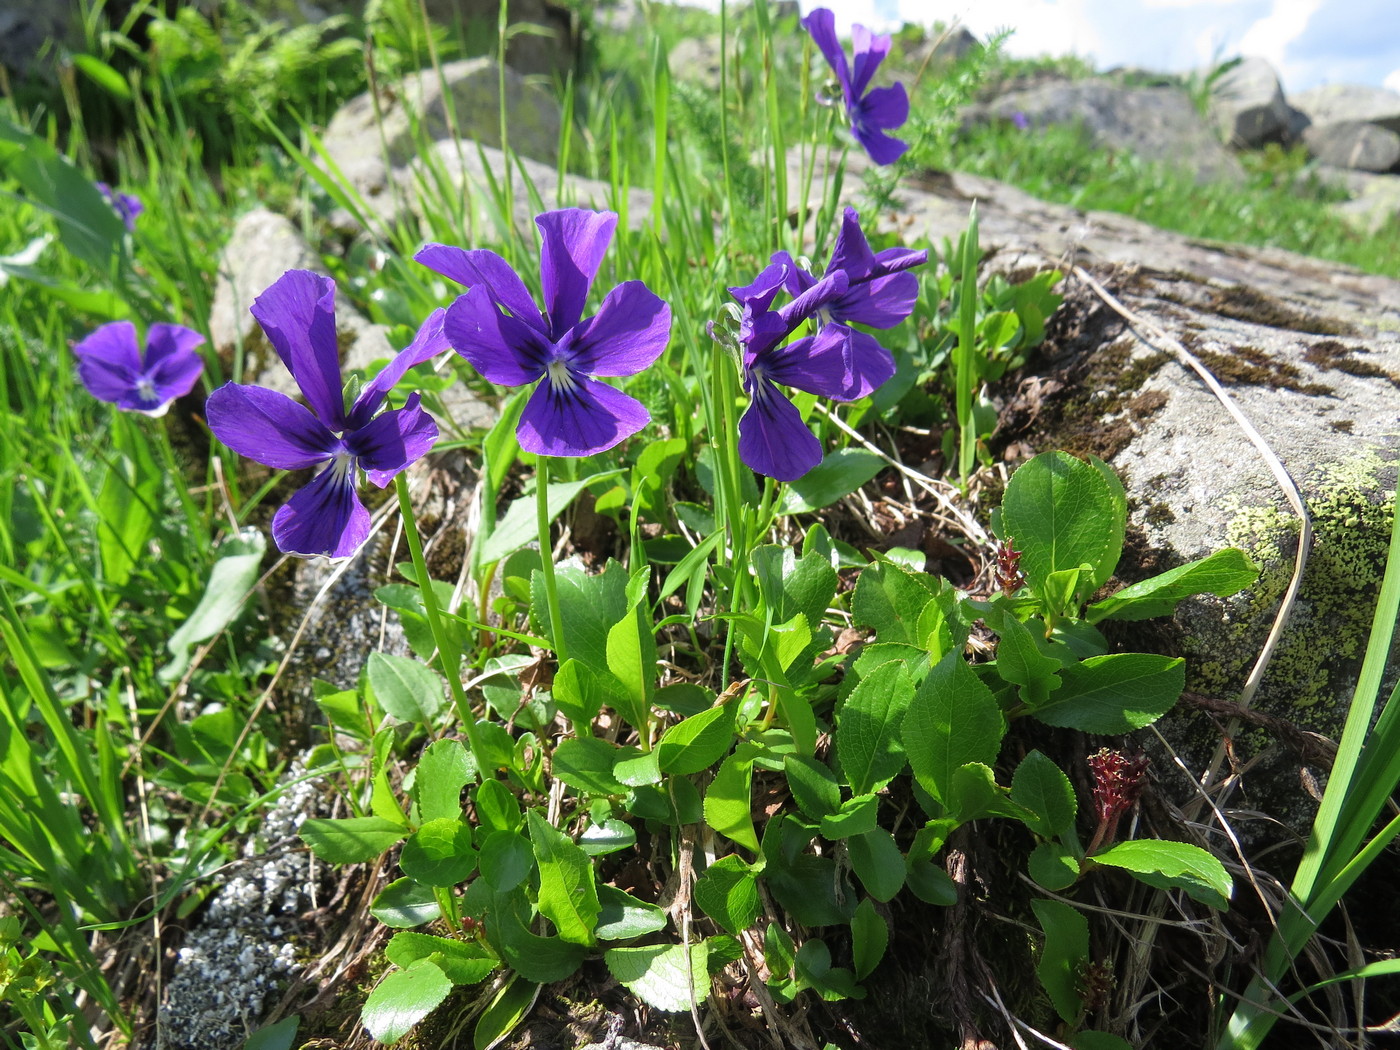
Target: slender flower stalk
{"type": "Point", "coordinates": [326, 517]}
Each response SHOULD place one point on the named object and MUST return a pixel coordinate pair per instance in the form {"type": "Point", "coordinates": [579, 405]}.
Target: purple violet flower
{"type": "Point", "coordinates": [497, 327]}
{"type": "Point", "coordinates": [326, 516]}
{"type": "Point", "coordinates": [126, 206]}
{"type": "Point", "coordinates": [872, 112]}
{"type": "Point", "coordinates": [113, 368]}
{"type": "Point", "coordinates": [773, 440]}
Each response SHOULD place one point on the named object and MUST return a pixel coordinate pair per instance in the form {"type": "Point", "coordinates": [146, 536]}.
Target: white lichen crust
{"type": "Point", "coordinates": [232, 966]}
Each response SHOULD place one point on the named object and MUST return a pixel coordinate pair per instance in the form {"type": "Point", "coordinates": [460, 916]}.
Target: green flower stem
{"type": "Point", "coordinates": [448, 651]}
{"type": "Point", "coordinates": [551, 591]}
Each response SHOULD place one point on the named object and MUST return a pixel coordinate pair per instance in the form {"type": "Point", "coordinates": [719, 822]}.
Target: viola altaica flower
{"type": "Point", "coordinates": [125, 205]}
{"type": "Point", "coordinates": [498, 327]}
{"type": "Point", "coordinates": [773, 440]}
{"type": "Point", "coordinates": [326, 516]}
{"type": "Point", "coordinates": [114, 369]}
{"type": "Point", "coordinates": [871, 112]}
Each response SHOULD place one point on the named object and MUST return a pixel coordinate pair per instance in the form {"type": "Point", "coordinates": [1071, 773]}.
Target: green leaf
{"type": "Point", "coordinates": [103, 75]}
{"type": "Point", "coordinates": [867, 728]}
{"type": "Point", "coordinates": [444, 768]}
{"type": "Point", "coordinates": [728, 801]}
{"type": "Point", "coordinates": [506, 1011]}
{"type": "Point", "coordinates": [1020, 660]}
{"type": "Point", "coordinates": [1172, 865]}
{"type": "Point", "coordinates": [608, 837]}
{"type": "Point", "coordinates": [631, 657]}
{"type": "Point", "coordinates": [1064, 956]}
{"type": "Point", "coordinates": [506, 860]}
{"type": "Point", "coordinates": [623, 916]}
{"type": "Point", "coordinates": [890, 600]}
{"type": "Point", "coordinates": [1042, 787]}
{"type": "Point", "coordinates": [952, 720]}
{"type": "Point", "coordinates": [589, 605]}
{"type": "Point", "coordinates": [580, 693]}
{"type": "Point", "coordinates": [855, 817]}
{"type": "Point", "coordinates": [519, 526]}
{"type": "Point", "coordinates": [586, 765]}
{"type": "Point", "coordinates": [697, 743]}
{"type": "Point", "coordinates": [1062, 513]}
{"type": "Point", "coordinates": [403, 999]}
{"type": "Point", "coordinates": [975, 793]}
{"type": "Point", "coordinates": [1053, 866]}
{"type": "Point", "coordinates": [1223, 573]}
{"type": "Point", "coordinates": [439, 853]}
{"type": "Point", "coordinates": [835, 477]}
{"type": "Point", "coordinates": [406, 689]}
{"type": "Point", "coordinates": [279, 1036]}
{"type": "Point", "coordinates": [350, 840]}
{"type": "Point", "coordinates": [635, 768]}
{"type": "Point", "coordinates": [779, 953]}
{"type": "Point", "coordinates": [814, 786]}
{"type": "Point", "coordinates": [568, 894]}
{"type": "Point", "coordinates": [231, 580]}
{"type": "Point", "coordinates": [464, 962]}
{"type": "Point", "coordinates": [496, 808]}
{"type": "Point", "coordinates": [404, 903]}
{"type": "Point", "coordinates": [658, 974]}
{"type": "Point", "coordinates": [877, 862]}
{"type": "Point", "coordinates": [1115, 694]}
{"type": "Point", "coordinates": [87, 225]}
{"type": "Point", "coordinates": [931, 884]}
{"type": "Point", "coordinates": [870, 937]}
{"type": "Point", "coordinates": [543, 960]}
{"type": "Point", "coordinates": [728, 893]}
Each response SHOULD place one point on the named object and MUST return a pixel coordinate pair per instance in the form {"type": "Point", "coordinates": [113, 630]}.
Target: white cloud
{"type": "Point", "coordinates": [1392, 81]}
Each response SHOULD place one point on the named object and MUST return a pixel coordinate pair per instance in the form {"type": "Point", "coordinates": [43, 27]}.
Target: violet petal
{"type": "Point", "coordinates": [882, 148]}
{"type": "Point", "coordinates": [868, 364]}
{"type": "Point", "coordinates": [268, 427]}
{"type": "Point", "coordinates": [881, 303]}
{"type": "Point", "coordinates": [578, 417]}
{"type": "Point", "coordinates": [575, 240]}
{"type": "Point", "coordinates": [176, 375]}
{"type": "Point", "coordinates": [109, 362]}
{"type": "Point", "coordinates": [772, 437]}
{"type": "Point", "coordinates": [428, 342]}
{"type": "Point", "coordinates": [884, 108]}
{"type": "Point", "coordinates": [868, 50]}
{"type": "Point", "coordinates": [504, 349]}
{"type": "Point", "coordinates": [829, 288]}
{"type": "Point", "coordinates": [821, 24]}
{"type": "Point", "coordinates": [894, 260]}
{"type": "Point", "coordinates": [298, 314]}
{"type": "Point", "coordinates": [482, 267]}
{"type": "Point", "coordinates": [852, 251]}
{"type": "Point", "coordinates": [817, 364]}
{"type": "Point", "coordinates": [766, 286]}
{"type": "Point", "coordinates": [325, 517]}
{"type": "Point", "coordinates": [627, 334]}
{"type": "Point", "coordinates": [393, 440]}
{"type": "Point", "coordinates": [170, 340]}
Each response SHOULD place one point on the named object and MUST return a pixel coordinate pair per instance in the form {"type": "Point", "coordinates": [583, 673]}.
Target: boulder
{"type": "Point", "coordinates": [1332, 103]}
{"type": "Point", "coordinates": [373, 144]}
{"type": "Point", "coordinates": [1157, 124]}
{"type": "Point", "coordinates": [1354, 144]}
{"type": "Point", "coordinates": [941, 49]}
{"type": "Point", "coordinates": [1248, 106]}
{"type": "Point", "coordinates": [26, 26]}
{"type": "Point", "coordinates": [262, 247]}
{"type": "Point", "coordinates": [1375, 207]}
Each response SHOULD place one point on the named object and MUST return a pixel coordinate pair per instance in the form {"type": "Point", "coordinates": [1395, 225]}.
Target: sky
{"type": "Point", "coordinates": [1308, 42]}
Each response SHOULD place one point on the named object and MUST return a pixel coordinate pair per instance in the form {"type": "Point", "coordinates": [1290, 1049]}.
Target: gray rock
{"type": "Point", "coordinates": [1338, 102]}
{"type": "Point", "coordinates": [371, 143]}
{"type": "Point", "coordinates": [262, 247]}
{"type": "Point", "coordinates": [1375, 207]}
{"type": "Point", "coordinates": [26, 26]}
{"type": "Point", "coordinates": [1248, 107]}
{"type": "Point", "coordinates": [1354, 144]}
{"type": "Point", "coordinates": [1157, 124]}
{"type": "Point", "coordinates": [696, 58]}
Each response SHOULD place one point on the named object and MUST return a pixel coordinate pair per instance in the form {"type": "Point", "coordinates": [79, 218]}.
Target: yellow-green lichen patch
{"type": "Point", "coordinates": [1352, 507]}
